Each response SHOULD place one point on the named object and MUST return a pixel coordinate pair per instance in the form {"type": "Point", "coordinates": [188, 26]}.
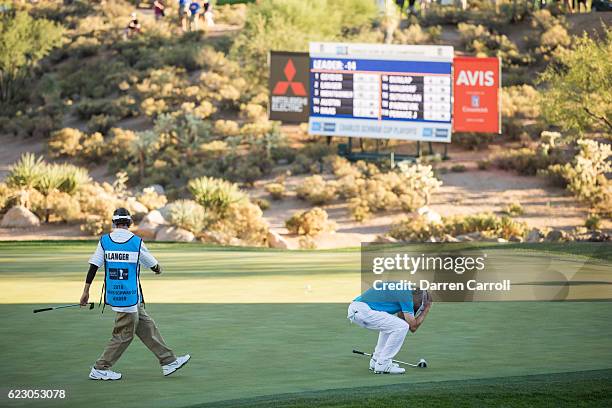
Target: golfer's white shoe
{"type": "Point", "coordinates": [175, 365]}
{"type": "Point", "coordinates": [373, 364]}
{"type": "Point", "coordinates": [105, 375]}
{"type": "Point", "coordinates": [388, 368]}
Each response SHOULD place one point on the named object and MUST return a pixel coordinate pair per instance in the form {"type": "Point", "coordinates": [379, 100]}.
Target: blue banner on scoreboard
{"type": "Point", "coordinates": [381, 91]}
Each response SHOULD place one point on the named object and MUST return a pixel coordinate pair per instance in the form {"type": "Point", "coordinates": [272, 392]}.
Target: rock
{"type": "Point", "coordinates": [19, 217]}
{"type": "Point", "coordinates": [174, 234]}
{"type": "Point", "coordinates": [213, 237]}
{"type": "Point", "coordinates": [150, 224]}
{"type": "Point", "coordinates": [535, 235]}
{"type": "Point", "coordinates": [431, 239]}
{"type": "Point", "coordinates": [556, 236]}
{"type": "Point", "coordinates": [275, 240]}
{"type": "Point", "coordinates": [158, 188]}
{"type": "Point", "coordinates": [154, 217]}
{"type": "Point", "coordinates": [449, 238]}
{"type": "Point", "coordinates": [500, 240]}
{"type": "Point", "coordinates": [136, 208]}
{"type": "Point", "coordinates": [516, 238]}
{"type": "Point", "coordinates": [599, 236]}
{"type": "Point", "coordinates": [430, 215]}
{"type": "Point", "coordinates": [464, 238]}
{"type": "Point", "coordinates": [236, 242]}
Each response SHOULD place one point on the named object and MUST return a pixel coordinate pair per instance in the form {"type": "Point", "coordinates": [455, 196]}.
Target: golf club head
{"type": "Point", "coordinates": [422, 363]}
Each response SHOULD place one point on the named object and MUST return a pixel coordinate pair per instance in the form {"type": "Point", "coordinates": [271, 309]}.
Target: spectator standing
{"type": "Point", "coordinates": [159, 8]}
{"type": "Point", "coordinates": [194, 15]}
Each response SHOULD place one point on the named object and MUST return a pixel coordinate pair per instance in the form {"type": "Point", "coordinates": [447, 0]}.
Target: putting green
{"type": "Point", "coordinates": [248, 351]}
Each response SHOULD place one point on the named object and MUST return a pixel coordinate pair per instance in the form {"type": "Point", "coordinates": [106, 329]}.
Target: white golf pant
{"type": "Point", "coordinates": [392, 330]}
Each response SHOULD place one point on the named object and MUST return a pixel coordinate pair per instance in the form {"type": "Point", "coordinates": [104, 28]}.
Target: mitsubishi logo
{"type": "Point", "coordinates": [281, 87]}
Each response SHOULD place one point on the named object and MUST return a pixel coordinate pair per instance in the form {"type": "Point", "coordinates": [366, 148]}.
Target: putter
{"type": "Point", "coordinates": [421, 364]}
{"type": "Point", "coordinates": [91, 306]}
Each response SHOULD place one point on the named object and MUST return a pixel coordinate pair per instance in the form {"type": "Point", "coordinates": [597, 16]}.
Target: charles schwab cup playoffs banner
{"type": "Point", "coordinates": [476, 106]}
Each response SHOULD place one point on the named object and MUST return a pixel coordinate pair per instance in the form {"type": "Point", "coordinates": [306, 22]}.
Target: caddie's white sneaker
{"type": "Point", "coordinates": [388, 368]}
{"type": "Point", "coordinates": [373, 364]}
{"type": "Point", "coordinates": [105, 375]}
{"type": "Point", "coordinates": [175, 365]}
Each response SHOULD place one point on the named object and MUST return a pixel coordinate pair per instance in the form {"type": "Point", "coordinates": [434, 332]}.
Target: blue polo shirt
{"type": "Point", "coordinates": [390, 301]}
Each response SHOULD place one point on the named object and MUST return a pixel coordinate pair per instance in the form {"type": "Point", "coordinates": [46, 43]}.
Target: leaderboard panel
{"type": "Point", "coordinates": [381, 91]}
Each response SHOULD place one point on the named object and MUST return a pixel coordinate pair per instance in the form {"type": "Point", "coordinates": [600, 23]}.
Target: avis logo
{"type": "Point", "coordinates": [472, 78]}
{"type": "Point", "coordinates": [281, 87]}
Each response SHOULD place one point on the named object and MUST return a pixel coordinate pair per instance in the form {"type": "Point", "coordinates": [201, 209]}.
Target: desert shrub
{"type": "Point", "coordinates": [153, 107]}
{"type": "Point", "coordinates": [226, 128]}
{"type": "Point", "coordinates": [97, 200]}
{"type": "Point", "coordinates": [473, 141]}
{"type": "Point", "coordinates": [415, 34]}
{"type": "Point", "coordinates": [6, 195]}
{"type": "Point", "coordinates": [528, 161]}
{"type": "Point", "coordinates": [94, 147]}
{"type": "Point", "coordinates": [520, 101]}
{"type": "Point", "coordinates": [24, 41]}
{"type": "Point", "coordinates": [316, 190]}
{"type": "Point", "coordinates": [96, 225]}
{"type": "Point", "coordinates": [151, 199]}
{"type": "Point", "coordinates": [63, 206]}
{"type": "Point", "coordinates": [311, 222]}
{"type": "Point", "coordinates": [66, 142]}
{"type": "Point", "coordinates": [187, 214]}
{"type": "Point", "coordinates": [232, 14]}
{"type": "Point", "coordinates": [214, 194]}
{"type": "Point", "coordinates": [551, 34]}
{"type": "Point", "coordinates": [307, 242]}
{"type": "Point", "coordinates": [276, 190]}
{"type": "Point", "coordinates": [101, 123]}
{"type": "Point", "coordinates": [586, 175]}
{"type": "Point", "coordinates": [593, 222]}
{"type": "Point", "coordinates": [458, 168]}
{"type": "Point", "coordinates": [291, 24]}
{"type": "Point", "coordinates": [479, 40]}
{"type": "Point", "coordinates": [578, 94]}
{"type": "Point", "coordinates": [262, 203]}
{"type": "Point", "coordinates": [484, 164]}
{"type": "Point", "coordinates": [244, 221]}
{"type": "Point", "coordinates": [26, 172]}
{"type": "Point", "coordinates": [419, 229]}
{"type": "Point", "coordinates": [513, 209]}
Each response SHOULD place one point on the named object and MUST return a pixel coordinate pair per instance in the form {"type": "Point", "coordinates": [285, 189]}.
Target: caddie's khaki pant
{"type": "Point", "coordinates": [128, 324]}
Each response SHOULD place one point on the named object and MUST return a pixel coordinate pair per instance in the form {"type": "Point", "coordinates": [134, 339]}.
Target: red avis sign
{"type": "Point", "coordinates": [476, 84]}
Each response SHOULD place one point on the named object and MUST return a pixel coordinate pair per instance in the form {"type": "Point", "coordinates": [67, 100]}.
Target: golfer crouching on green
{"type": "Point", "coordinates": [392, 313]}
{"type": "Point", "coordinates": [122, 253]}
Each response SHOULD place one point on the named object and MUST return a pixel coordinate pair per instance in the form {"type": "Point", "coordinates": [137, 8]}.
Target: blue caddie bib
{"type": "Point", "coordinates": [122, 271]}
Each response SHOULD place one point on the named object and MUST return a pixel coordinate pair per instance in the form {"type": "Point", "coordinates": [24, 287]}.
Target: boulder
{"type": "Point", "coordinates": [214, 237]}
{"type": "Point", "coordinates": [464, 238]}
{"type": "Point", "coordinates": [535, 235]}
{"type": "Point", "coordinates": [449, 238]}
{"type": "Point", "coordinates": [556, 236]}
{"type": "Point", "coordinates": [136, 208]}
{"type": "Point", "coordinates": [150, 224]}
{"type": "Point", "coordinates": [157, 188]}
{"type": "Point", "coordinates": [174, 234]}
{"type": "Point", "coordinates": [430, 215]}
{"type": "Point", "coordinates": [275, 240]}
{"type": "Point", "coordinates": [19, 217]}
{"type": "Point", "coordinates": [154, 217]}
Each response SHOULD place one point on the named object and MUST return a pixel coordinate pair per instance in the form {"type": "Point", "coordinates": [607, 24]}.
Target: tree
{"type": "Point", "coordinates": [579, 93]}
{"type": "Point", "coordinates": [24, 41]}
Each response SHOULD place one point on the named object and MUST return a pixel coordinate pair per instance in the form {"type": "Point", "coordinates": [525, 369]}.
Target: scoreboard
{"type": "Point", "coordinates": [381, 91]}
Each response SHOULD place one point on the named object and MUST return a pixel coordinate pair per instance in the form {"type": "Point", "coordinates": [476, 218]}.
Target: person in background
{"type": "Point", "coordinates": [159, 8]}
{"type": "Point", "coordinates": [183, 6]}
{"type": "Point", "coordinates": [133, 28]}
{"type": "Point", "coordinates": [194, 15]}
{"type": "Point", "coordinates": [208, 14]}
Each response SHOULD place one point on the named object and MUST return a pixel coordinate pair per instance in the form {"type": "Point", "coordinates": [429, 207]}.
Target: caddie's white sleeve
{"type": "Point", "coordinates": [146, 259]}
{"type": "Point", "coordinates": [98, 256]}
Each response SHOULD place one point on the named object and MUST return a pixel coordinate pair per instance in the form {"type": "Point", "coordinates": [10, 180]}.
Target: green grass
{"type": "Point", "coordinates": [294, 354]}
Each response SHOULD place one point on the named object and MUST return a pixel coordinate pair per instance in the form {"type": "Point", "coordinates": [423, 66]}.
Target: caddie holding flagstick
{"type": "Point", "coordinates": [121, 252]}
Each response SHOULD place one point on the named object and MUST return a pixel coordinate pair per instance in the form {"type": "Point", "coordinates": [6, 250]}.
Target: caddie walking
{"type": "Point", "coordinates": [121, 252]}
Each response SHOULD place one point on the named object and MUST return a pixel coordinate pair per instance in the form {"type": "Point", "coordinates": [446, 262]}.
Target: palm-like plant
{"type": "Point", "coordinates": [215, 194]}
